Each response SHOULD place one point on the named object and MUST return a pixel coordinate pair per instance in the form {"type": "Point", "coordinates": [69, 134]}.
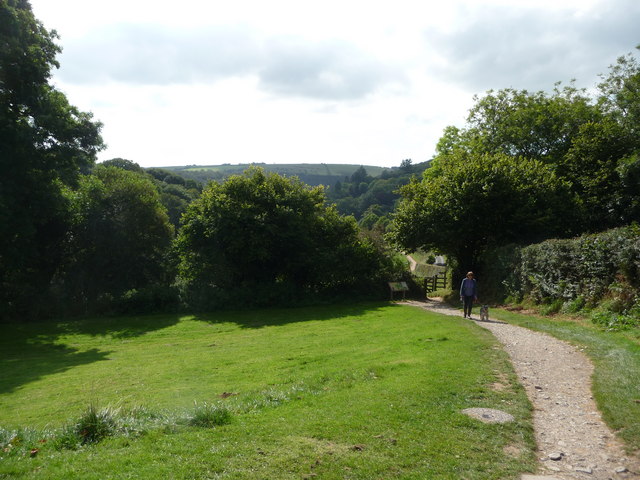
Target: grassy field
{"type": "Point", "coordinates": [362, 392]}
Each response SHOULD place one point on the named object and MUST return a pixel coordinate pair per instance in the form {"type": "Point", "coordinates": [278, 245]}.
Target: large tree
{"type": "Point", "coordinates": [470, 202]}
{"type": "Point", "coordinates": [119, 239]}
{"type": "Point", "coordinates": [533, 125]}
{"type": "Point", "coordinates": [590, 141]}
{"type": "Point", "coordinates": [44, 143]}
{"type": "Point", "coordinates": [266, 237]}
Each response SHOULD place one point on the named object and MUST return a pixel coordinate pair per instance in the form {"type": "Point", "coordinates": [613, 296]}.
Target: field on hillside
{"type": "Point", "coordinates": [362, 391]}
{"type": "Point", "coordinates": [309, 173]}
{"type": "Point", "coordinates": [333, 169]}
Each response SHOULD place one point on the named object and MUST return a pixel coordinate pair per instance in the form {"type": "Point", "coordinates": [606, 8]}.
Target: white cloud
{"type": "Point", "coordinates": [206, 81]}
{"type": "Point", "coordinates": [500, 46]}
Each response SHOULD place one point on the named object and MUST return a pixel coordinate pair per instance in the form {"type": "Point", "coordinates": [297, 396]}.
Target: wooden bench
{"type": "Point", "coordinates": [398, 287]}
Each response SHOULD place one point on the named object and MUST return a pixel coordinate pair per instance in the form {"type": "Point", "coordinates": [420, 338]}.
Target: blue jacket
{"type": "Point", "coordinates": [473, 288]}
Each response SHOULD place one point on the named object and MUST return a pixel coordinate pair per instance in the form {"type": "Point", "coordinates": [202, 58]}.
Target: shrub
{"type": "Point", "coordinates": [574, 306]}
{"type": "Point", "coordinates": [550, 308]}
{"type": "Point", "coordinates": [613, 321]}
{"type": "Point", "coordinates": [593, 267]}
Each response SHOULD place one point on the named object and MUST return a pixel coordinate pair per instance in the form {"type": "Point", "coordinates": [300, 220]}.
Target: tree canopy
{"type": "Point", "coordinates": [44, 144]}
{"type": "Point", "coordinates": [261, 235]}
{"type": "Point", "coordinates": [119, 239]}
{"type": "Point", "coordinates": [469, 202]}
{"type": "Point", "coordinates": [529, 166]}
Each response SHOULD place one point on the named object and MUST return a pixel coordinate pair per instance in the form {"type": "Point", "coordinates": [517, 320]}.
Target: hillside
{"type": "Point", "coordinates": [311, 174]}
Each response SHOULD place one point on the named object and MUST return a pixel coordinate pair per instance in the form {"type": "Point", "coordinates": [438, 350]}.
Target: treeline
{"type": "Point", "coordinates": [78, 238]}
{"type": "Point", "coordinates": [529, 166]}
{"type": "Point", "coordinates": [371, 200]}
{"type": "Point", "coordinates": [312, 174]}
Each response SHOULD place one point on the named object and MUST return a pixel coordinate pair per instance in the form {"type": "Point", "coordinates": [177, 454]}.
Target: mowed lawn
{"type": "Point", "coordinates": [361, 391]}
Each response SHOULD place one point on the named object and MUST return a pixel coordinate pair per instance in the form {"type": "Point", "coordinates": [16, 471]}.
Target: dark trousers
{"type": "Point", "coordinates": [468, 305]}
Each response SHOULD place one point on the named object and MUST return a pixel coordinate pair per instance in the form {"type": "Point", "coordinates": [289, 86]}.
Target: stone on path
{"type": "Point", "coordinates": [489, 415]}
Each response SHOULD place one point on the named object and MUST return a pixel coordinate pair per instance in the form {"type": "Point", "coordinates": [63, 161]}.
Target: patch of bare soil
{"type": "Point", "coordinates": [573, 441]}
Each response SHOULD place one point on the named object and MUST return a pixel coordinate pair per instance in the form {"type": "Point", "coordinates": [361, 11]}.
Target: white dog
{"type": "Point", "coordinates": [484, 313]}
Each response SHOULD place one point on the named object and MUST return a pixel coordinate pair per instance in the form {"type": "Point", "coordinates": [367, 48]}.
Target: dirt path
{"type": "Point", "coordinates": [573, 441]}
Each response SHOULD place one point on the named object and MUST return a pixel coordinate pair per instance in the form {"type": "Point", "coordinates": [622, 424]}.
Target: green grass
{"type": "Point", "coordinates": [363, 391]}
{"type": "Point", "coordinates": [616, 359]}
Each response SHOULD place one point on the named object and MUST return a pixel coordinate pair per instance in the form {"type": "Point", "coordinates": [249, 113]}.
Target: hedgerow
{"type": "Point", "coordinates": [597, 272]}
{"type": "Point", "coordinates": [593, 267]}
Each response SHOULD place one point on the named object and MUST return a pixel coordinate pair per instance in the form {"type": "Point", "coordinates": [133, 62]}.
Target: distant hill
{"type": "Point", "coordinates": [309, 173]}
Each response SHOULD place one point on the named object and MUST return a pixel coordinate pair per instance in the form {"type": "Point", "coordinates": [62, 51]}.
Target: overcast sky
{"type": "Point", "coordinates": [291, 81]}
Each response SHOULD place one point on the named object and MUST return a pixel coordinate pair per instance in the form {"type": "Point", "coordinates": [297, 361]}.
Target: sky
{"type": "Point", "coordinates": [373, 82]}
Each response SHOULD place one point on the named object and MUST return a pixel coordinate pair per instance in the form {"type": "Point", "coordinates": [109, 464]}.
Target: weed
{"type": "Point", "coordinates": [574, 306]}
{"type": "Point", "coordinates": [612, 321]}
{"type": "Point", "coordinates": [207, 415]}
{"type": "Point", "coordinates": [554, 307]}
{"type": "Point", "coordinates": [67, 439]}
{"type": "Point", "coordinates": [95, 425]}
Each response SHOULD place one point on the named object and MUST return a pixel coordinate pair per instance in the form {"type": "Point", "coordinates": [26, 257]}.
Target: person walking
{"type": "Point", "coordinates": [468, 293]}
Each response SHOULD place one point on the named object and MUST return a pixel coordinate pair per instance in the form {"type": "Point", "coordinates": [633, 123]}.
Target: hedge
{"type": "Point", "coordinates": [592, 267]}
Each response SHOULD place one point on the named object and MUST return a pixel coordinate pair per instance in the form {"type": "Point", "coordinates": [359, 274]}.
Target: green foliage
{"type": "Point", "coordinates": [620, 94]}
{"type": "Point", "coordinates": [131, 261]}
{"type": "Point", "coordinates": [207, 415]}
{"type": "Point", "coordinates": [44, 143]}
{"type": "Point", "coordinates": [372, 199]}
{"type": "Point", "coordinates": [264, 239]}
{"type": "Point", "coordinates": [499, 278]}
{"type": "Point", "coordinates": [589, 266]}
{"type": "Point", "coordinates": [469, 203]}
{"type": "Point", "coordinates": [176, 192]}
{"type": "Point", "coordinates": [599, 168]}
{"type": "Point", "coordinates": [311, 174]}
{"type": "Point", "coordinates": [532, 125]}
{"type": "Point", "coordinates": [95, 424]}
{"type": "Point", "coordinates": [612, 321]}
{"type": "Point", "coordinates": [590, 142]}
{"type": "Point", "coordinates": [597, 273]}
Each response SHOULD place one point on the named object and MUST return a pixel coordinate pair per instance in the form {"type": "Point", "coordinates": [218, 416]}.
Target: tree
{"type": "Point", "coordinates": [120, 237]}
{"type": "Point", "coordinates": [620, 95]}
{"type": "Point", "coordinates": [472, 202]}
{"type": "Point", "coordinates": [592, 166]}
{"type": "Point", "coordinates": [360, 176]}
{"type": "Point", "coordinates": [530, 125]}
{"type": "Point", "coordinates": [44, 144]}
{"type": "Point", "coordinates": [260, 238]}
{"type": "Point", "coordinates": [124, 164]}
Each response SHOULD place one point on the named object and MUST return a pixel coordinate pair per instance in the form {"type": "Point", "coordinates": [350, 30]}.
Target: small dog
{"type": "Point", "coordinates": [484, 313]}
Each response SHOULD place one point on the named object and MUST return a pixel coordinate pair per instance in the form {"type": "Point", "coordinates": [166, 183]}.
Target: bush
{"type": "Point", "coordinates": [612, 321]}
{"type": "Point", "coordinates": [550, 308]}
{"type": "Point", "coordinates": [594, 267]}
{"type": "Point", "coordinates": [574, 306]}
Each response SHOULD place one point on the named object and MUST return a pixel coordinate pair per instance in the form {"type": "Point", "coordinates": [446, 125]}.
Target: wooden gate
{"type": "Point", "coordinates": [436, 282]}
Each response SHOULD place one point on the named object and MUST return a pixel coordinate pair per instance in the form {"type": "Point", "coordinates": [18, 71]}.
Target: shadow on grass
{"type": "Point", "coordinates": [30, 351]}
{"type": "Point", "coordinates": [268, 317]}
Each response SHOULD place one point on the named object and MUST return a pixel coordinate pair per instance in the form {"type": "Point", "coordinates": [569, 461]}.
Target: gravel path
{"type": "Point", "coordinates": [573, 441]}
